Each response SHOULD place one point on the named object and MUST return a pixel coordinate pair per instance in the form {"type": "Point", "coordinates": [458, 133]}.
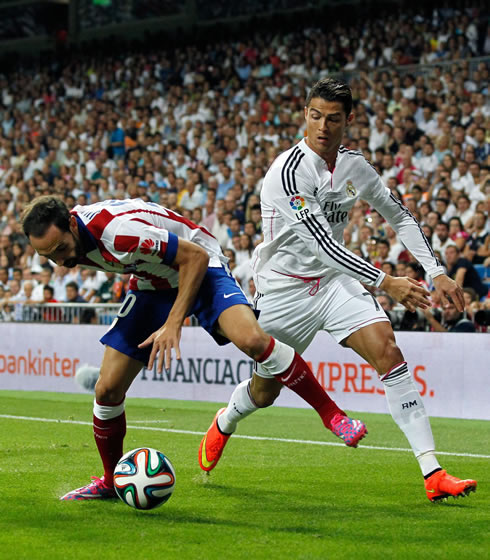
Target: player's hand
{"type": "Point", "coordinates": [163, 340]}
{"type": "Point", "coordinates": [448, 289]}
{"type": "Point", "coordinates": [410, 293]}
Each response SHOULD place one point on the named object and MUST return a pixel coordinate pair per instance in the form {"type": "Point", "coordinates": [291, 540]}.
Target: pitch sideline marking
{"type": "Point", "coordinates": [238, 436]}
{"type": "Point", "coordinates": [150, 421]}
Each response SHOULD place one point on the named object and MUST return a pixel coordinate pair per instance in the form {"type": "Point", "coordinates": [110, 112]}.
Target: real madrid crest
{"type": "Point", "coordinates": [350, 189]}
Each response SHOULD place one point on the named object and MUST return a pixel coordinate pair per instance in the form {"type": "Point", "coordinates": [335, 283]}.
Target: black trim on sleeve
{"type": "Point", "coordinates": [337, 253]}
{"type": "Point", "coordinates": [288, 171]}
{"type": "Point", "coordinates": [426, 241]}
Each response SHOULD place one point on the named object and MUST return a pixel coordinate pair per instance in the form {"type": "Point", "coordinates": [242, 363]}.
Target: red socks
{"type": "Point", "coordinates": [300, 379]}
{"type": "Point", "coordinates": [109, 435]}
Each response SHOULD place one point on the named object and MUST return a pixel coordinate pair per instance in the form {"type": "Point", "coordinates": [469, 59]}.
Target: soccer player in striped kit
{"type": "Point", "coordinates": [308, 281]}
{"type": "Point", "coordinates": [177, 270]}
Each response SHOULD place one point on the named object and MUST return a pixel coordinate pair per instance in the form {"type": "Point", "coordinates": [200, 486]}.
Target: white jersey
{"type": "Point", "coordinates": [141, 238]}
{"type": "Point", "coordinates": [305, 209]}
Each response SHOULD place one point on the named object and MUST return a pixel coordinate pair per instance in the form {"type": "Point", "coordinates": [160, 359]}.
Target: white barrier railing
{"type": "Point", "coordinates": [81, 313]}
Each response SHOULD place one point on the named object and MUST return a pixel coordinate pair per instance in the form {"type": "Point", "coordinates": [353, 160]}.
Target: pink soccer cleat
{"type": "Point", "coordinates": [351, 431]}
{"type": "Point", "coordinates": [96, 490]}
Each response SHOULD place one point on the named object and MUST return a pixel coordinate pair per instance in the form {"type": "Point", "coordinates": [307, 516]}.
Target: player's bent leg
{"type": "Point", "coordinates": [376, 344]}
{"type": "Point", "coordinates": [109, 421]}
{"type": "Point", "coordinates": [264, 390]}
{"type": "Point", "coordinates": [242, 403]}
{"type": "Point", "coordinates": [278, 362]}
{"type": "Point", "coordinates": [212, 444]}
{"type": "Point", "coordinates": [281, 363]}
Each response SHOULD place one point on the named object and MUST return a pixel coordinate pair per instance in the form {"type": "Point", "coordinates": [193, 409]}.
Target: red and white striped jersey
{"type": "Point", "coordinates": [140, 238]}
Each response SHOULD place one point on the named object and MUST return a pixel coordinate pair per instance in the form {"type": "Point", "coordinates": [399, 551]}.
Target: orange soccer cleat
{"type": "Point", "coordinates": [441, 485]}
{"type": "Point", "coordinates": [212, 445]}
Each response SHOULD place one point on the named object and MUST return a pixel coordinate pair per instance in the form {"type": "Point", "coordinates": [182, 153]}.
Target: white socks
{"type": "Point", "coordinates": [404, 402]}
{"type": "Point", "coordinates": [279, 359]}
{"type": "Point", "coordinates": [240, 406]}
{"type": "Point", "coordinates": [408, 411]}
{"type": "Point", "coordinates": [108, 411]}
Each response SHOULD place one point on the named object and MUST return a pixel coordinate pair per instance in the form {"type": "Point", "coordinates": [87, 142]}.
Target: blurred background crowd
{"type": "Point", "coordinates": [194, 127]}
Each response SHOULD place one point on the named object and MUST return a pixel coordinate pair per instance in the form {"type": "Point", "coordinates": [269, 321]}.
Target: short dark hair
{"type": "Point", "coordinates": [444, 200]}
{"type": "Point", "coordinates": [42, 212]}
{"type": "Point", "coordinates": [417, 268]}
{"type": "Point", "coordinates": [49, 288]}
{"type": "Point", "coordinates": [73, 285]}
{"type": "Point", "coordinates": [331, 89]}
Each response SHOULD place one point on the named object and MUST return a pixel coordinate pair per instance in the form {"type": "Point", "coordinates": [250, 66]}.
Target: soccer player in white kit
{"type": "Point", "coordinates": [308, 281]}
{"type": "Point", "coordinates": [177, 269]}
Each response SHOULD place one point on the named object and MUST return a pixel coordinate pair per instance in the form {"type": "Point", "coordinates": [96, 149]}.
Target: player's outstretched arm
{"type": "Point", "coordinates": [407, 291]}
{"type": "Point", "coordinates": [449, 289]}
{"type": "Point", "coordinates": [192, 261]}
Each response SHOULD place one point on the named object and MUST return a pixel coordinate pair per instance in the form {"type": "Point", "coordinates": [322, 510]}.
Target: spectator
{"type": "Point", "coordinates": [61, 278]}
{"type": "Point", "coordinates": [4, 276]}
{"type": "Point", "coordinates": [463, 272]}
{"type": "Point", "coordinates": [415, 270]}
{"type": "Point", "coordinates": [478, 246]}
{"type": "Point", "coordinates": [50, 314]}
{"type": "Point", "coordinates": [482, 147]}
{"type": "Point", "coordinates": [45, 279]}
{"type": "Point", "coordinates": [92, 280]}
{"type": "Point", "coordinates": [457, 234]}
{"type": "Point", "coordinates": [246, 247]}
{"type": "Point", "coordinates": [428, 162]}
{"type": "Point", "coordinates": [116, 140]}
{"type": "Point", "coordinates": [72, 295]}
{"type": "Point", "coordinates": [105, 294]}
{"type": "Point", "coordinates": [463, 210]}
{"type": "Point", "coordinates": [441, 239]}
{"type": "Point", "coordinates": [452, 320]}
{"type": "Point", "coordinates": [77, 314]}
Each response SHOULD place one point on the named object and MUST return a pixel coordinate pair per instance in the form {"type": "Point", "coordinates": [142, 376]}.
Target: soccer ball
{"type": "Point", "coordinates": [144, 478]}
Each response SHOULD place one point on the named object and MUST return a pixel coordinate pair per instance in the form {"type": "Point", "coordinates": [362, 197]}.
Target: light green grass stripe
{"type": "Point", "coordinates": [238, 436]}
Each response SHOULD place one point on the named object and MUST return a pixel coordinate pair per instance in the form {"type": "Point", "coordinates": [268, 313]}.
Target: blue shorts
{"type": "Point", "coordinates": [144, 312]}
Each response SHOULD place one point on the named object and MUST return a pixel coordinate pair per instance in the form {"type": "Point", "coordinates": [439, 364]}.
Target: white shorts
{"type": "Point", "coordinates": [340, 307]}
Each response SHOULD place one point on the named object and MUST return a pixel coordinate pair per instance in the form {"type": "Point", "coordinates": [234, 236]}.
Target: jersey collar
{"type": "Point", "coordinates": [86, 238]}
{"type": "Point", "coordinates": [319, 163]}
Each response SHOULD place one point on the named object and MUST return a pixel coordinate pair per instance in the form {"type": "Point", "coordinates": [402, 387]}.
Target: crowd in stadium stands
{"type": "Point", "coordinates": [195, 129]}
{"type": "Point", "coordinates": [92, 14]}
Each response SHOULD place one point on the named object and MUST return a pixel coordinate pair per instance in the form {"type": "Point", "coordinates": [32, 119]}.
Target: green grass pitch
{"type": "Point", "coordinates": [266, 499]}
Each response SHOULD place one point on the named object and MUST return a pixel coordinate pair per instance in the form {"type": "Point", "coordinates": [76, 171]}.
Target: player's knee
{"type": "Point", "coordinates": [393, 352]}
{"type": "Point", "coordinates": [108, 393]}
{"type": "Point", "coordinates": [254, 343]}
{"type": "Point", "coordinates": [389, 357]}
